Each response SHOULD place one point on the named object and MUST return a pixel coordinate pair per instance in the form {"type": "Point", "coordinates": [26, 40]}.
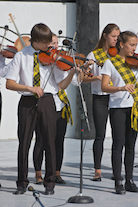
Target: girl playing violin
{"type": "Point", "coordinates": [123, 109]}
{"type": "Point", "coordinates": [100, 99]}
{"type": "Point", "coordinates": [59, 142]}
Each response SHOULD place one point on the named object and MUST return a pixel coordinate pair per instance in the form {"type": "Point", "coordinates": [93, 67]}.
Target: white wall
{"type": "Point", "coordinates": [122, 14]}
{"type": "Point", "coordinates": [57, 16]}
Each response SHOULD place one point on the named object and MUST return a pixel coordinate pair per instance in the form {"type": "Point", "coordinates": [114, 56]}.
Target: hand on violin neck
{"type": "Point", "coordinates": [76, 70]}
{"type": "Point", "coordinates": [90, 62]}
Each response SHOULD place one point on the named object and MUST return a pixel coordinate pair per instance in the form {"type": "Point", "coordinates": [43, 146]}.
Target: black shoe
{"type": "Point", "coordinates": [96, 179]}
{"type": "Point", "coordinates": [131, 186]}
{"type": "Point", "coordinates": [49, 191]}
{"type": "Point", "coordinates": [119, 188]}
{"type": "Point", "coordinates": [20, 190]}
{"type": "Point", "coordinates": [59, 180]}
{"type": "Point", "coordinates": [0, 185]}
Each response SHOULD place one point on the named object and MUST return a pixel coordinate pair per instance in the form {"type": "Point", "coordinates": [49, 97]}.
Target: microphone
{"type": "Point", "coordinates": [6, 27]}
{"type": "Point", "coordinates": [30, 188]}
{"type": "Point", "coordinates": [60, 32]}
{"type": "Point", "coordinates": [67, 42]}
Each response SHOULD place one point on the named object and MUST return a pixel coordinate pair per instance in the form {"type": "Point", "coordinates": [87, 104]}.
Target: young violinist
{"type": "Point", "coordinates": [2, 64]}
{"type": "Point", "coordinates": [123, 109]}
{"type": "Point", "coordinates": [59, 142]}
{"type": "Point", "coordinates": [36, 103]}
{"type": "Point", "coordinates": [100, 99]}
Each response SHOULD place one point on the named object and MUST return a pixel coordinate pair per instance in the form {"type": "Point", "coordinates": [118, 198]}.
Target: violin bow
{"type": "Point", "coordinates": [45, 83]}
{"type": "Point", "coordinates": [73, 40]}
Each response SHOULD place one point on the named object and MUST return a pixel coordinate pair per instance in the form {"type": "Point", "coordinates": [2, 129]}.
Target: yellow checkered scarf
{"type": "Point", "coordinates": [36, 77]}
{"type": "Point", "coordinates": [66, 111]}
{"type": "Point", "coordinates": [101, 56]}
{"type": "Point", "coordinates": [129, 78]}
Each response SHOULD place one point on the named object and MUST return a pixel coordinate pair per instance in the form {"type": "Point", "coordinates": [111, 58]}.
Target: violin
{"type": "Point", "coordinates": [132, 61]}
{"type": "Point", "coordinates": [8, 51]}
{"type": "Point", "coordinates": [21, 42]}
{"type": "Point", "coordinates": [112, 51]}
{"type": "Point", "coordinates": [63, 61]}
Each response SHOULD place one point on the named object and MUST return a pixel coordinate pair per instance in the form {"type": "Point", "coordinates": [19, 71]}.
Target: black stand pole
{"type": "Point", "coordinates": [30, 188]}
{"type": "Point", "coordinates": [80, 198]}
{"type": "Point", "coordinates": [37, 199]}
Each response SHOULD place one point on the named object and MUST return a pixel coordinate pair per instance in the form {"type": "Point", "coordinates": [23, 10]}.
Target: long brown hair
{"type": "Point", "coordinates": [107, 30]}
{"type": "Point", "coordinates": [41, 33]}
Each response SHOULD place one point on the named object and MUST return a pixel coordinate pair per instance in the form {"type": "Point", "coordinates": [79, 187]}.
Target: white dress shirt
{"type": "Point", "coordinates": [96, 71]}
{"type": "Point", "coordinates": [21, 71]}
{"type": "Point", "coordinates": [119, 99]}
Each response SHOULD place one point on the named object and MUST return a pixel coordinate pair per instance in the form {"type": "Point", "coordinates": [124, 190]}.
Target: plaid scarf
{"type": "Point", "coordinates": [129, 78]}
{"type": "Point", "coordinates": [66, 111]}
{"type": "Point", "coordinates": [101, 56]}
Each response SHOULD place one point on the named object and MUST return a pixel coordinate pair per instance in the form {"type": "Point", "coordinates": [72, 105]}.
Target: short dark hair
{"type": "Point", "coordinates": [41, 33]}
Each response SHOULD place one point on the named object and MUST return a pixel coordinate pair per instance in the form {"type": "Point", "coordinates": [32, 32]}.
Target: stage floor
{"type": "Point", "coordinates": [102, 192]}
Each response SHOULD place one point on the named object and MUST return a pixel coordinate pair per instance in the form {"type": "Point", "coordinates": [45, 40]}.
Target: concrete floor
{"type": "Point", "coordinates": [102, 193]}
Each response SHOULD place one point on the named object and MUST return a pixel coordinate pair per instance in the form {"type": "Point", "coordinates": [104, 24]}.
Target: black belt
{"type": "Point", "coordinates": [47, 94]}
{"type": "Point", "coordinates": [44, 95]}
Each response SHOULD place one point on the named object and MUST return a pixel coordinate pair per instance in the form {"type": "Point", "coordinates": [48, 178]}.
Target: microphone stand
{"type": "Point", "coordinates": [30, 188]}
{"type": "Point", "coordinates": [37, 199]}
{"type": "Point", "coordinates": [80, 198]}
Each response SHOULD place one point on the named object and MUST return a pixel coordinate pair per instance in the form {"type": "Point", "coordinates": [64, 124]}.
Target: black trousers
{"type": "Point", "coordinates": [123, 136]}
{"type": "Point", "coordinates": [38, 152]}
{"type": "Point", "coordinates": [45, 115]}
{"type": "Point", "coordinates": [100, 115]}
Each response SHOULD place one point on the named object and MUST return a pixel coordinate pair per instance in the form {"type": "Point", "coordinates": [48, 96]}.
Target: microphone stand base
{"type": "Point", "coordinates": [80, 199]}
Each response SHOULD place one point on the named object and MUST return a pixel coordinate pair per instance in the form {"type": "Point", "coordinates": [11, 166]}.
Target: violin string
{"type": "Point", "coordinates": [45, 83]}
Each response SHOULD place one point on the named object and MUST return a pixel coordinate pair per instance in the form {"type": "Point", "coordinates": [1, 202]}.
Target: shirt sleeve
{"type": "Point", "coordinates": [3, 67]}
{"type": "Point", "coordinates": [106, 69]}
{"type": "Point", "coordinates": [13, 68]}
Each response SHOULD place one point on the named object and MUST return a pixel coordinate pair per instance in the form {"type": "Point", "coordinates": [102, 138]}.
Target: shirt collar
{"type": "Point", "coordinates": [32, 50]}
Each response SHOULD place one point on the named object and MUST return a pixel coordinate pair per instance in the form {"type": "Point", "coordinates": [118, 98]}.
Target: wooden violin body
{"type": "Point", "coordinates": [132, 61]}
{"type": "Point", "coordinates": [61, 59]}
{"type": "Point", "coordinates": [112, 51]}
{"type": "Point", "coordinates": [8, 51]}
{"type": "Point", "coordinates": [53, 55]}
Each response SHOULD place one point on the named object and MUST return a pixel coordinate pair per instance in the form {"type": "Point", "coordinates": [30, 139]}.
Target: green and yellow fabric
{"type": "Point", "coordinates": [36, 78]}
{"type": "Point", "coordinates": [129, 78]}
{"type": "Point", "coordinates": [66, 111]}
{"type": "Point", "coordinates": [101, 56]}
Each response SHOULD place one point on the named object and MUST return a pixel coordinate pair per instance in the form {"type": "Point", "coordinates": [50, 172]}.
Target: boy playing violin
{"type": "Point", "coordinates": [36, 103]}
